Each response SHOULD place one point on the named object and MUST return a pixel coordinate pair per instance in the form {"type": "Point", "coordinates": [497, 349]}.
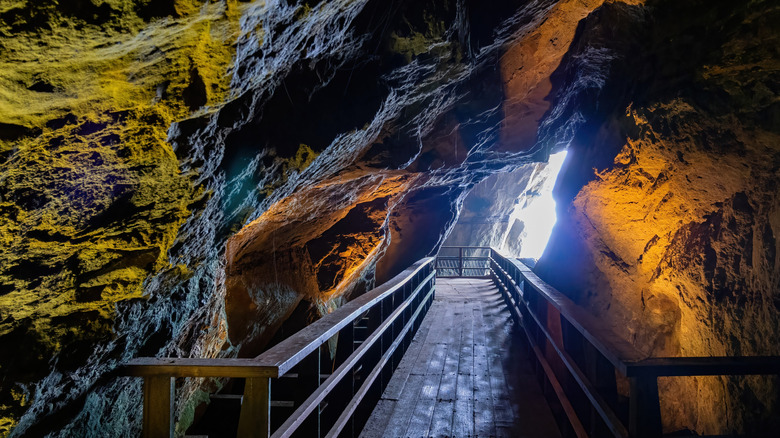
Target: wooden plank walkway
{"type": "Point", "coordinates": [465, 374]}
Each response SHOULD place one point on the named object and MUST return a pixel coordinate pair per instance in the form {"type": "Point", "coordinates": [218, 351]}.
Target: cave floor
{"type": "Point", "coordinates": [466, 373]}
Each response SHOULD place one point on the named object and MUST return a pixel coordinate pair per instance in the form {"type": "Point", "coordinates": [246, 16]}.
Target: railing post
{"type": "Point", "coordinates": [433, 283]}
{"type": "Point", "coordinates": [600, 372]}
{"type": "Point", "coordinates": [308, 381]}
{"type": "Point", "coordinates": [460, 261]}
{"type": "Point", "coordinates": [345, 343]}
{"type": "Point", "coordinates": [255, 419]}
{"type": "Point", "coordinates": [158, 407]}
{"type": "Point", "coordinates": [644, 412]}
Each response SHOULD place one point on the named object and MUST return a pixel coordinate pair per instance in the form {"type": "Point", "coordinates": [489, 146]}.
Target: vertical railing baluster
{"type": "Point", "coordinates": [158, 407]}
{"type": "Point", "coordinates": [460, 261]}
{"type": "Point", "coordinates": [644, 412]}
{"type": "Point", "coordinates": [320, 352]}
{"type": "Point", "coordinates": [602, 374]}
{"type": "Point", "coordinates": [307, 382]}
{"type": "Point", "coordinates": [345, 344]}
{"type": "Point", "coordinates": [255, 419]}
{"type": "Point", "coordinates": [433, 282]}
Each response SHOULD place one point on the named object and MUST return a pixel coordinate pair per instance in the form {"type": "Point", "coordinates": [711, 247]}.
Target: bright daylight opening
{"type": "Point", "coordinates": [535, 208]}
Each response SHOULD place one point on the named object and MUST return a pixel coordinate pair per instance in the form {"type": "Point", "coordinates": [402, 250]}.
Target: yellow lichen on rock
{"type": "Point", "coordinates": [303, 158]}
{"type": "Point", "coordinates": [7, 424]}
{"type": "Point", "coordinates": [419, 41]}
{"type": "Point", "coordinates": [87, 70]}
{"type": "Point", "coordinates": [91, 195]}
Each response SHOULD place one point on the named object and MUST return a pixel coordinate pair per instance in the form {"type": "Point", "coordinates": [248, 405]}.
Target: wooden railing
{"type": "Point", "coordinates": [463, 261]}
{"type": "Point", "coordinates": [332, 394]}
{"type": "Point", "coordinates": [578, 356]}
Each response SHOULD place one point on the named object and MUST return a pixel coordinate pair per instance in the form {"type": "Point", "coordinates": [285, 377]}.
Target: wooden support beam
{"type": "Point", "coordinates": [255, 419]}
{"type": "Point", "coordinates": [460, 261]}
{"type": "Point", "coordinates": [644, 417]}
{"type": "Point", "coordinates": [158, 407]}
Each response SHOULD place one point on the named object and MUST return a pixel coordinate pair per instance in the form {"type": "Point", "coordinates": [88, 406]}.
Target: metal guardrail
{"type": "Point", "coordinates": [333, 394]}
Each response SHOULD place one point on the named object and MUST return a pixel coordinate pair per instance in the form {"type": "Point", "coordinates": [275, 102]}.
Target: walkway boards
{"type": "Point", "coordinates": [466, 373]}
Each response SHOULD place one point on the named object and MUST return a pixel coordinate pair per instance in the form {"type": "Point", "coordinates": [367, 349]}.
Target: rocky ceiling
{"type": "Point", "coordinates": [178, 177]}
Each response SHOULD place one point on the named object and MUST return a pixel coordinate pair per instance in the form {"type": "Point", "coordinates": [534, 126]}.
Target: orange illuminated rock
{"type": "Point", "coordinates": [316, 244]}
{"type": "Point", "coordinates": [526, 68]}
{"type": "Point", "coordinates": [674, 244]}
{"type": "Point", "coordinates": [683, 248]}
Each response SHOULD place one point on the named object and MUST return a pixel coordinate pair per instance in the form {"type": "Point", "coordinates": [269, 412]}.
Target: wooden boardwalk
{"type": "Point", "coordinates": [466, 374]}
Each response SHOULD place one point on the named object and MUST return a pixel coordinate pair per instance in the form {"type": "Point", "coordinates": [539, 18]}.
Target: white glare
{"type": "Point", "coordinates": [535, 208]}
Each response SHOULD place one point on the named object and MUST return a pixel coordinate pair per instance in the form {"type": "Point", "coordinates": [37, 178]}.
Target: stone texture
{"type": "Point", "coordinates": [91, 193]}
{"type": "Point", "coordinates": [485, 217]}
{"type": "Point", "coordinates": [180, 175]}
{"type": "Point", "coordinates": [673, 243]}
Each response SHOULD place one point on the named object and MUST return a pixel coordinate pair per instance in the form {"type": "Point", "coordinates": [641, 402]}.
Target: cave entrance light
{"type": "Point", "coordinates": [535, 207]}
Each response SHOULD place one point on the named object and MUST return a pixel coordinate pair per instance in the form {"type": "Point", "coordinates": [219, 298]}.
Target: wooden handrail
{"type": "Point", "coordinates": [602, 408]}
{"type": "Point", "coordinates": [616, 349]}
{"type": "Point", "coordinates": [372, 376]}
{"type": "Point", "coordinates": [514, 309]}
{"type": "Point", "coordinates": [279, 359]}
{"type": "Point", "coordinates": [308, 406]}
{"type": "Point", "coordinates": [393, 312]}
{"type": "Point", "coordinates": [196, 367]}
{"type": "Point", "coordinates": [705, 366]}
{"type": "Point", "coordinates": [627, 358]}
{"type": "Point", "coordinates": [401, 301]}
{"type": "Point", "coordinates": [289, 352]}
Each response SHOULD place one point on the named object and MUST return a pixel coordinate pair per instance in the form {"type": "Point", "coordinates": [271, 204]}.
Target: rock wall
{"type": "Point", "coordinates": [666, 206]}
{"type": "Point", "coordinates": [91, 193]}
{"type": "Point", "coordinates": [669, 227]}
{"type": "Point", "coordinates": [485, 217]}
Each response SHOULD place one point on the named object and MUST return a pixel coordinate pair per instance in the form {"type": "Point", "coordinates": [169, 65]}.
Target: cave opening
{"type": "Point", "coordinates": [512, 212]}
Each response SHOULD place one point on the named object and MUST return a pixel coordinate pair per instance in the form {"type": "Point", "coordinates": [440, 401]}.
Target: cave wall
{"type": "Point", "coordinates": [668, 218]}
{"type": "Point", "coordinates": [91, 193]}
{"type": "Point", "coordinates": [667, 203]}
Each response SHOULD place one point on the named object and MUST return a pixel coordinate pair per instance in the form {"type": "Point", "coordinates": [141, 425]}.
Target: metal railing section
{"type": "Point", "coordinates": [333, 394]}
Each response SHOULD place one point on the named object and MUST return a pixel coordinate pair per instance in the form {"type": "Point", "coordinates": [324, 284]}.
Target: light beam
{"type": "Point", "coordinates": [535, 208]}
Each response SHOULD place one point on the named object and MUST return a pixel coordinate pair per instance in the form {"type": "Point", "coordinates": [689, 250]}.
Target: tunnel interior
{"type": "Point", "coordinates": [184, 178]}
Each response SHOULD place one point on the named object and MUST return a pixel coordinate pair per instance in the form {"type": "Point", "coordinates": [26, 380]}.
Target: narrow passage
{"type": "Point", "coordinates": [465, 374]}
